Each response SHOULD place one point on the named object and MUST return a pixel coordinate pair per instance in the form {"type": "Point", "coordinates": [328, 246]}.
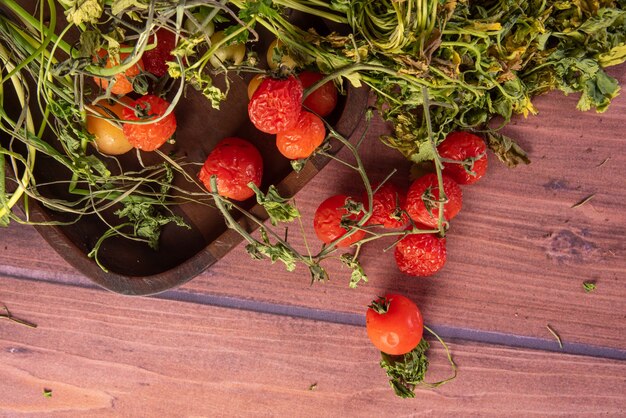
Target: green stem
{"type": "Point", "coordinates": [30, 126]}
{"type": "Point", "coordinates": [35, 24]}
{"type": "Point", "coordinates": [450, 360]}
{"type": "Point", "coordinates": [442, 198]}
{"type": "Point", "coordinates": [302, 7]}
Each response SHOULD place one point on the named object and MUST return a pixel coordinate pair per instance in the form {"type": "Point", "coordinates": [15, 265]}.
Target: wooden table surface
{"type": "Point", "coordinates": [247, 338]}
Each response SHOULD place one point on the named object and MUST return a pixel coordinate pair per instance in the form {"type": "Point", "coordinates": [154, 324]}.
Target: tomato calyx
{"type": "Point", "coordinates": [380, 305]}
{"type": "Point", "coordinates": [430, 201]}
{"type": "Point", "coordinates": [353, 215]}
{"type": "Point", "coordinates": [467, 164]}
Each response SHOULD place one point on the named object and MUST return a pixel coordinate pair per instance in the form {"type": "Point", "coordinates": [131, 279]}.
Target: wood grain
{"type": "Point", "coordinates": [518, 252]}
{"type": "Point", "coordinates": [103, 356]}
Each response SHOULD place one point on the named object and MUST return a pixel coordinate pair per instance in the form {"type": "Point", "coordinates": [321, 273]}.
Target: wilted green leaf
{"type": "Point", "coordinates": [277, 207]}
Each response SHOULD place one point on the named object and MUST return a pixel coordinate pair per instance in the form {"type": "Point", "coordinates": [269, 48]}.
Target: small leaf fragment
{"type": "Point", "coordinates": [318, 273]}
{"type": "Point", "coordinates": [507, 150]}
{"type": "Point", "coordinates": [589, 286]}
{"type": "Point", "coordinates": [276, 206]}
{"type": "Point", "coordinates": [358, 274]}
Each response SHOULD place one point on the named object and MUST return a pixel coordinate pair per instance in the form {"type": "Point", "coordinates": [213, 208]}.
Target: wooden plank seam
{"type": "Point", "coordinates": [346, 318]}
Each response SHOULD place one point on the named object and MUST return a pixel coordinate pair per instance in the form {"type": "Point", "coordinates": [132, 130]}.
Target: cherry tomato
{"type": "Point", "coordinates": [122, 82]}
{"type": "Point", "coordinates": [155, 60]}
{"type": "Point", "coordinates": [110, 138]}
{"type": "Point", "coordinates": [327, 221]}
{"type": "Point", "coordinates": [254, 84]}
{"type": "Point", "coordinates": [388, 207]}
{"type": "Point", "coordinates": [420, 255]}
{"type": "Point", "coordinates": [471, 153]}
{"type": "Point", "coordinates": [199, 26]}
{"type": "Point", "coordinates": [303, 140]}
{"type": "Point", "coordinates": [322, 100]}
{"type": "Point", "coordinates": [148, 136]}
{"type": "Point", "coordinates": [398, 330]}
{"type": "Point", "coordinates": [228, 53]}
{"type": "Point", "coordinates": [423, 196]}
{"type": "Point", "coordinates": [275, 49]}
{"type": "Point", "coordinates": [236, 163]}
{"type": "Point", "coordinates": [276, 105]}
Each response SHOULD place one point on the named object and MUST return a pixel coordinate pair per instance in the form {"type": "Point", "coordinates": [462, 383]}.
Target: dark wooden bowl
{"type": "Point", "coordinates": [133, 267]}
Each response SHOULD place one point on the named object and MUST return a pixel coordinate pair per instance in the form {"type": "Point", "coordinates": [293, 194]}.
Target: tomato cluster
{"type": "Point", "coordinates": [147, 122]}
{"type": "Point", "coordinates": [277, 107]}
{"type": "Point", "coordinates": [394, 323]}
{"type": "Point", "coordinates": [121, 124]}
{"type": "Point", "coordinates": [422, 254]}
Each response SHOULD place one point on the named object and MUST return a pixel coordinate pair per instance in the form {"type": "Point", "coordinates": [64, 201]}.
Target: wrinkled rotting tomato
{"type": "Point", "coordinates": [276, 104]}
{"type": "Point", "coordinates": [235, 162]}
{"type": "Point", "coordinates": [471, 153]}
{"type": "Point", "coordinates": [420, 255]}
{"type": "Point", "coordinates": [423, 197]}
{"type": "Point", "coordinates": [388, 207]}
{"type": "Point", "coordinates": [147, 135]}
{"type": "Point", "coordinates": [327, 221]}
{"type": "Point", "coordinates": [394, 324]}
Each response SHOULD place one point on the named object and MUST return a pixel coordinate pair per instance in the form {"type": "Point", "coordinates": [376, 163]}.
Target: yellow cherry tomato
{"type": "Point", "coordinates": [233, 53]}
{"type": "Point", "coordinates": [254, 84]}
{"type": "Point", "coordinates": [110, 138]}
{"type": "Point", "coordinates": [285, 59]}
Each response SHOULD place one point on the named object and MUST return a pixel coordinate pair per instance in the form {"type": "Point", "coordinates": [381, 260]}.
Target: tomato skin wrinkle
{"type": "Point", "coordinates": [460, 146]}
{"type": "Point", "coordinates": [150, 135]}
{"type": "Point", "coordinates": [235, 162]}
{"type": "Point", "coordinates": [420, 255]}
{"type": "Point", "coordinates": [327, 222]}
{"type": "Point", "coordinates": [426, 212]}
{"type": "Point", "coordinates": [302, 140]}
{"type": "Point", "coordinates": [276, 104]}
{"type": "Point", "coordinates": [384, 203]}
{"type": "Point", "coordinates": [323, 100]}
{"type": "Point", "coordinates": [398, 330]}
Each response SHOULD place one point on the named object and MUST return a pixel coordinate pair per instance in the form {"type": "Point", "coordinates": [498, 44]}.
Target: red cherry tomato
{"type": "Point", "coordinates": [148, 136]}
{"type": "Point", "coordinates": [388, 207]}
{"type": "Point", "coordinates": [303, 140]}
{"type": "Point", "coordinates": [471, 153]}
{"type": "Point", "coordinates": [420, 255]}
{"type": "Point", "coordinates": [322, 100]}
{"type": "Point", "coordinates": [154, 60]}
{"type": "Point", "coordinates": [122, 82]}
{"type": "Point", "coordinates": [236, 163]}
{"type": "Point", "coordinates": [327, 222]}
{"type": "Point", "coordinates": [276, 104]}
{"type": "Point", "coordinates": [423, 196]}
{"type": "Point", "coordinates": [398, 330]}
